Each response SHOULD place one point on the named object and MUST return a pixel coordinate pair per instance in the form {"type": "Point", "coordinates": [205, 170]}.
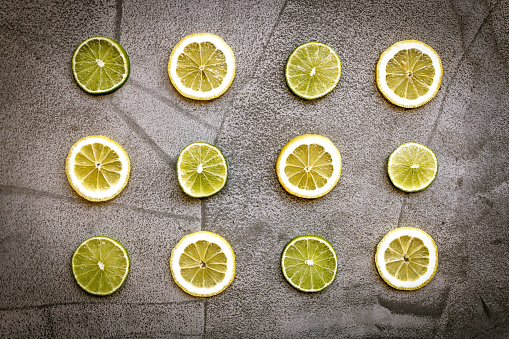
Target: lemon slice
{"type": "Point", "coordinates": [100, 65]}
{"type": "Point", "coordinates": [409, 73]}
{"type": "Point", "coordinates": [203, 264]}
{"type": "Point", "coordinates": [97, 168]}
{"type": "Point", "coordinates": [100, 265]}
{"type": "Point", "coordinates": [309, 263]}
{"type": "Point", "coordinates": [312, 70]}
{"type": "Point", "coordinates": [412, 167]}
{"type": "Point", "coordinates": [201, 170]}
{"type": "Point", "coordinates": [309, 166]}
{"type": "Point", "coordinates": [201, 66]}
{"type": "Point", "coordinates": [407, 258]}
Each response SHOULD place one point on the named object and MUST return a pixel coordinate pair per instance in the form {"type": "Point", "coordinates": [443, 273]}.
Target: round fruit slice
{"type": "Point", "coordinates": [412, 167]}
{"type": "Point", "coordinates": [201, 66]}
{"type": "Point", "coordinates": [100, 65]}
{"type": "Point", "coordinates": [309, 166]}
{"type": "Point", "coordinates": [201, 170]}
{"type": "Point", "coordinates": [312, 70]}
{"type": "Point", "coordinates": [203, 264]}
{"type": "Point", "coordinates": [309, 263]}
{"type": "Point", "coordinates": [409, 73]}
{"type": "Point", "coordinates": [407, 258]}
{"type": "Point", "coordinates": [97, 168]}
{"type": "Point", "coordinates": [100, 265]}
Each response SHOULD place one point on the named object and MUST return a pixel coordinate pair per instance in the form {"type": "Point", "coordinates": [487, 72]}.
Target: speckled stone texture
{"type": "Point", "coordinates": [466, 210]}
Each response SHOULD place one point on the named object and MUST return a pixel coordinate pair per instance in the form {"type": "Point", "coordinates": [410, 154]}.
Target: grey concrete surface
{"type": "Point", "coordinates": [466, 210]}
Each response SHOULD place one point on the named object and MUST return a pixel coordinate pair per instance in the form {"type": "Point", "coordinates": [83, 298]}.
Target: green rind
{"type": "Point", "coordinates": [178, 176]}
{"type": "Point", "coordinates": [125, 276]}
{"type": "Point", "coordinates": [288, 63]}
{"type": "Point", "coordinates": [402, 188]}
{"type": "Point", "coordinates": [123, 52]}
{"type": "Point", "coordinates": [308, 236]}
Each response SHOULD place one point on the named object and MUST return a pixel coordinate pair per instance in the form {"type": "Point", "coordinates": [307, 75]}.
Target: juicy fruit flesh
{"type": "Point", "coordinates": [99, 65]}
{"type": "Point", "coordinates": [309, 263]}
{"type": "Point", "coordinates": [309, 167]}
{"type": "Point", "coordinates": [407, 258]}
{"type": "Point", "coordinates": [202, 169]}
{"type": "Point", "coordinates": [100, 265]}
{"type": "Point", "coordinates": [98, 167]}
{"type": "Point", "coordinates": [201, 66]}
{"type": "Point", "coordinates": [412, 167]}
{"type": "Point", "coordinates": [410, 73]}
{"type": "Point", "coordinates": [314, 69]}
{"type": "Point", "coordinates": [203, 264]}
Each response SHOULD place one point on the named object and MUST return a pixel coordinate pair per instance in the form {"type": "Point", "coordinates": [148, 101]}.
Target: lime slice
{"type": "Point", "coordinates": [100, 65]}
{"type": "Point", "coordinates": [407, 258]}
{"type": "Point", "coordinates": [203, 264]}
{"type": "Point", "coordinates": [312, 70]}
{"type": "Point", "coordinates": [309, 263]}
{"type": "Point", "coordinates": [409, 73]}
{"type": "Point", "coordinates": [201, 66]}
{"type": "Point", "coordinates": [412, 167]}
{"type": "Point", "coordinates": [100, 265]}
{"type": "Point", "coordinates": [309, 166]}
{"type": "Point", "coordinates": [201, 170]}
{"type": "Point", "coordinates": [97, 168]}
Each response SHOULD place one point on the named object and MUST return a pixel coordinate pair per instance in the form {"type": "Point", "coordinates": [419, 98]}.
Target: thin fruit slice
{"type": "Point", "coordinates": [100, 265]}
{"type": "Point", "coordinates": [100, 65]}
{"type": "Point", "coordinates": [97, 168]}
{"type": "Point", "coordinates": [312, 70]}
{"type": "Point", "coordinates": [309, 166]}
{"type": "Point", "coordinates": [201, 170]}
{"type": "Point", "coordinates": [409, 73]}
{"type": "Point", "coordinates": [309, 263]}
{"type": "Point", "coordinates": [407, 258]}
{"type": "Point", "coordinates": [201, 66]}
{"type": "Point", "coordinates": [412, 167]}
{"type": "Point", "coordinates": [203, 264]}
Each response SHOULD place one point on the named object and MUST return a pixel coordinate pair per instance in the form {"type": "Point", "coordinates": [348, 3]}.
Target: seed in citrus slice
{"type": "Point", "coordinates": [309, 263]}
{"type": "Point", "coordinates": [309, 166]}
{"type": "Point", "coordinates": [97, 168]}
{"type": "Point", "coordinates": [201, 66]}
{"type": "Point", "coordinates": [201, 169]}
{"type": "Point", "coordinates": [203, 264]}
{"type": "Point", "coordinates": [412, 167]}
{"type": "Point", "coordinates": [407, 258]}
{"type": "Point", "coordinates": [100, 65]}
{"type": "Point", "coordinates": [409, 73]}
{"type": "Point", "coordinates": [312, 70]}
{"type": "Point", "coordinates": [100, 265]}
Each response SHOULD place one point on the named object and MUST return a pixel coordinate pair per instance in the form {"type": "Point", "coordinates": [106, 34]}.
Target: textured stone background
{"type": "Point", "coordinates": [466, 210]}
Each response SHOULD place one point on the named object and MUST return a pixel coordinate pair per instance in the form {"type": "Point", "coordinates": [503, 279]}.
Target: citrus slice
{"type": "Point", "coordinates": [409, 73]}
{"type": "Point", "coordinates": [407, 258]}
{"type": "Point", "coordinates": [97, 168]}
{"type": "Point", "coordinates": [312, 70]}
{"type": "Point", "coordinates": [100, 265]}
{"type": "Point", "coordinates": [412, 167]}
{"type": "Point", "coordinates": [201, 66]}
{"type": "Point", "coordinates": [203, 264]}
{"type": "Point", "coordinates": [309, 166]}
{"type": "Point", "coordinates": [309, 263]}
{"type": "Point", "coordinates": [201, 170]}
{"type": "Point", "coordinates": [100, 65]}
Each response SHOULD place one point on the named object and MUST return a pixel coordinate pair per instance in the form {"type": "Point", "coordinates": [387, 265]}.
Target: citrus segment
{"type": "Point", "coordinates": [203, 264]}
{"type": "Point", "coordinates": [407, 258]}
{"type": "Point", "coordinates": [312, 70]}
{"type": "Point", "coordinates": [100, 265]}
{"type": "Point", "coordinates": [100, 65]}
{"type": "Point", "coordinates": [309, 166]}
{"type": "Point", "coordinates": [309, 263]}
